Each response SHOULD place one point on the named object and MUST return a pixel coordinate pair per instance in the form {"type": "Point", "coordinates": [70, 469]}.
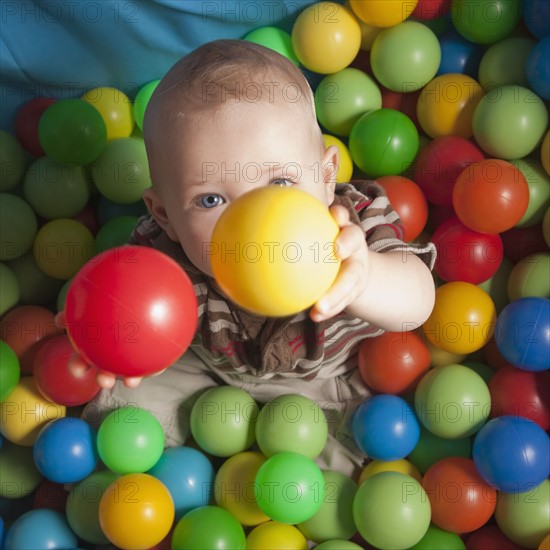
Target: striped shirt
{"type": "Point", "coordinates": [230, 339]}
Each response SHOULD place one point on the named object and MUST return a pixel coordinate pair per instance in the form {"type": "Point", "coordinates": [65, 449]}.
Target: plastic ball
{"type": "Point", "coordinates": [284, 279]}
{"type": "Point", "coordinates": [522, 333]}
{"type": "Point", "coordinates": [18, 472]}
{"type": "Point", "coordinates": [383, 142]}
{"type": "Point", "coordinates": [136, 511]}
{"type": "Point", "coordinates": [393, 362]}
{"type": "Point", "coordinates": [484, 370]}
{"type": "Point", "coordinates": [41, 528]}
{"type": "Point", "coordinates": [460, 499]}
{"type": "Point", "coordinates": [52, 495]}
{"type": "Point", "coordinates": [447, 104]}
{"type": "Point", "coordinates": [404, 102]}
{"type": "Point", "coordinates": [345, 168]}
{"type": "Point", "coordinates": [55, 190]}
{"type": "Point", "coordinates": [23, 429]}
{"type": "Point", "coordinates": [116, 232]}
{"type": "Point", "coordinates": [379, 13]}
{"type": "Point", "coordinates": [188, 475]}
{"type": "Point", "coordinates": [539, 190]}
{"type": "Point", "coordinates": [234, 487]}
{"type": "Point", "coordinates": [62, 246]}
{"type": "Point", "coordinates": [405, 57]}
{"type": "Point", "coordinates": [18, 226]}
{"type": "Point", "coordinates": [289, 488]}
{"type": "Point", "coordinates": [489, 536]}
{"type": "Point", "coordinates": [115, 108]}
{"type": "Point", "coordinates": [439, 357]}
{"type": "Point", "coordinates": [10, 291]}
{"type": "Point", "coordinates": [378, 466]}
{"type": "Point", "coordinates": [338, 544]}
{"type": "Point", "coordinates": [459, 55]}
{"type": "Point", "coordinates": [71, 131]}
{"type": "Point", "coordinates": [496, 286]}
{"type": "Point", "coordinates": [334, 519]}
{"type": "Point", "coordinates": [27, 119]}
{"type": "Point", "coordinates": [545, 153]}
{"type": "Point", "coordinates": [512, 454]}
{"type": "Point", "coordinates": [452, 401]}
{"type": "Point", "coordinates": [142, 99]}
{"type": "Point", "coordinates": [385, 427]}
{"type": "Point", "coordinates": [291, 423]}
{"type": "Point", "coordinates": [65, 450]}
{"type": "Point", "coordinates": [108, 210]}
{"type": "Point", "coordinates": [464, 254]}
{"type": "Point", "coordinates": [391, 510]}
{"type": "Point", "coordinates": [341, 98]}
{"type": "Point", "coordinates": [273, 535]}
{"type": "Point", "coordinates": [485, 21]}
{"type": "Point", "coordinates": [530, 277]}
{"type": "Point", "coordinates": [12, 162]}
{"type": "Point", "coordinates": [439, 538]}
{"type": "Point", "coordinates": [83, 506]}
{"type": "Point", "coordinates": [274, 38]}
{"type": "Point", "coordinates": [10, 370]}
{"type": "Point", "coordinates": [427, 10]}
{"type": "Point", "coordinates": [326, 37]}
{"type": "Point", "coordinates": [537, 68]}
{"type": "Point", "coordinates": [121, 323]}
{"type": "Point", "coordinates": [130, 440]}
{"type": "Point", "coordinates": [209, 527]}
{"type": "Point", "coordinates": [520, 242]}
{"type": "Point", "coordinates": [223, 420]}
{"type": "Point", "coordinates": [509, 122]}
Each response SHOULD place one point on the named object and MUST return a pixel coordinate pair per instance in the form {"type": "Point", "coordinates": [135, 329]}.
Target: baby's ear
{"type": "Point", "coordinates": [331, 161]}
{"type": "Point", "coordinates": [156, 208]}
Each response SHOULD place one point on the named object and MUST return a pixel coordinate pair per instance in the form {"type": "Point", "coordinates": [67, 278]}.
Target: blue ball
{"type": "Point", "coordinates": [385, 427]}
{"type": "Point", "coordinates": [188, 475]}
{"type": "Point", "coordinates": [459, 55]}
{"type": "Point", "coordinates": [537, 69]}
{"type": "Point", "coordinates": [40, 529]}
{"type": "Point", "coordinates": [512, 454]}
{"type": "Point", "coordinates": [65, 450]}
{"type": "Point", "coordinates": [522, 333]}
{"type": "Point", "coordinates": [536, 14]}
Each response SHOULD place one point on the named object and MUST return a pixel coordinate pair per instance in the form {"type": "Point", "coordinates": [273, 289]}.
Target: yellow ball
{"type": "Point", "coordinates": [274, 536]}
{"type": "Point", "coordinates": [446, 105]}
{"type": "Point", "coordinates": [326, 37]}
{"type": "Point", "coordinates": [115, 108]}
{"type": "Point", "coordinates": [345, 169]}
{"type": "Point", "coordinates": [234, 487]}
{"type": "Point", "coordinates": [381, 13]}
{"type": "Point", "coordinates": [136, 511]}
{"type": "Point", "coordinates": [62, 247]}
{"type": "Point", "coordinates": [439, 357]}
{"type": "Point", "coordinates": [25, 412]}
{"type": "Point", "coordinates": [272, 251]}
{"type": "Point", "coordinates": [402, 465]}
{"type": "Point", "coordinates": [545, 152]}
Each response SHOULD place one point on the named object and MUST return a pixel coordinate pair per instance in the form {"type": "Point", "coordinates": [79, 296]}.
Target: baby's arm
{"type": "Point", "coordinates": [392, 290]}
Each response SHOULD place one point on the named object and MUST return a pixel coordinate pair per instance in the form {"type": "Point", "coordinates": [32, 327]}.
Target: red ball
{"type": "Point", "coordinates": [402, 101]}
{"type": "Point", "coordinates": [393, 362]}
{"type": "Point", "coordinates": [490, 537]}
{"type": "Point", "coordinates": [26, 124]}
{"type": "Point", "coordinates": [520, 242]}
{"type": "Point", "coordinates": [54, 379]}
{"type": "Point", "coordinates": [490, 196]}
{"type": "Point", "coordinates": [427, 10]}
{"type": "Point", "coordinates": [131, 311]}
{"type": "Point", "coordinates": [439, 164]}
{"type": "Point", "coordinates": [461, 500]}
{"type": "Point", "coordinates": [51, 495]}
{"type": "Point", "coordinates": [464, 254]}
{"type": "Point", "coordinates": [524, 393]}
{"type": "Point", "coordinates": [408, 201]}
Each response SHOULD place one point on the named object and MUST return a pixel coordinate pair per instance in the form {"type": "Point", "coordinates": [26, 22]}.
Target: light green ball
{"type": "Point", "coordinates": [546, 226]}
{"type": "Point", "coordinates": [140, 102]}
{"type": "Point", "coordinates": [276, 39]}
{"type": "Point", "coordinates": [530, 277]}
{"type": "Point", "coordinates": [436, 538]}
{"type": "Point", "coordinates": [18, 473]}
{"type": "Point", "coordinates": [10, 370]}
{"type": "Point", "coordinates": [12, 162]}
{"type": "Point", "coordinates": [338, 544]}
{"type": "Point", "coordinates": [9, 289]}
{"type": "Point", "coordinates": [538, 182]}
{"type": "Point", "coordinates": [497, 285]}
{"type": "Point", "coordinates": [18, 226]}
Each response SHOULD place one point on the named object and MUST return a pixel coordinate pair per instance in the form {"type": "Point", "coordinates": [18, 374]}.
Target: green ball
{"type": "Point", "coordinates": [546, 226]}
{"type": "Point", "coordinates": [391, 510]}
{"type": "Point", "coordinates": [10, 370]}
{"type": "Point", "coordinates": [334, 519]}
{"type": "Point", "coordinates": [83, 506]}
{"type": "Point", "coordinates": [276, 39]}
{"type": "Point", "coordinates": [383, 142]}
{"type": "Point", "coordinates": [18, 473]}
{"type": "Point", "coordinates": [9, 288]}
{"type": "Point", "coordinates": [71, 131]}
{"type": "Point", "coordinates": [142, 99]}
{"type": "Point", "coordinates": [223, 420]}
{"type": "Point", "coordinates": [12, 161]}
{"type": "Point", "coordinates": [55, 190]}
{"type": "Point", "coordinates": [121, 173]}
{"type": "Point", "coordinates": [452, 401]}
{"type": "Point", "coordinates": [341, 98]}
{"type": "Point", "coordinates": [18, 226]}
{"type": "Point", "coordinates": [338, 544]}
{"type": "Point", "coordinates": [524, 517]}
{"type": "Point", "coordinates": [485, 21]}
{"type": "Point", "coordinates": [436, 538]}
{"type": "Point", "coordinates": [509, 122]}
{"type": "Point", "coordinates": [62, 295]}
{"type": "Point", "coordinates": [405, 57]}
{"type": "Point", "coordinates": [208, 527]}
{"type": "Point", "coordinates": [130, 440]}
{"type": "Point", "coordinates": [504, 62]}
{"type": "Point", "coordinates": [289, 488]}
{"type": "Point", "coordinates": [292, 423]}
{"type": "Point", "coordinates": [538, 182]}
{"type": "Point", "coordinates": [115, 232]}
{"type": "Point", "coordinates": [496, 286]}
{"type": "Point", "coordinates": [484, 370]}
{"type": "Point", "coordinates": [530, 277]}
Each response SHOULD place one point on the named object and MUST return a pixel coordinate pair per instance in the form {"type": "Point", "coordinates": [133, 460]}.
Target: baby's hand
{"type": "Point", "coordinates": [351, 281]}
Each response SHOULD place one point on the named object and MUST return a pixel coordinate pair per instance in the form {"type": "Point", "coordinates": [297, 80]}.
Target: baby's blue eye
{"type": "Point", "coordinates": [210, 201]}
{"type": "Point", "coordinates": [281, 182]}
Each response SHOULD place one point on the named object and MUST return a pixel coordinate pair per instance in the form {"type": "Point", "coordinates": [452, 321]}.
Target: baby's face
{"type": "Point", "coordinates": [224, 157]}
